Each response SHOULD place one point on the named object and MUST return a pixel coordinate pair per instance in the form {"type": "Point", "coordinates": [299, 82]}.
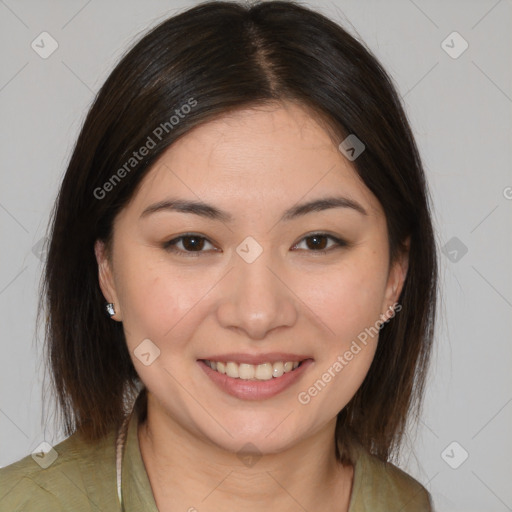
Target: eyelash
{"type": "Point", "coordinates": [170, 245]}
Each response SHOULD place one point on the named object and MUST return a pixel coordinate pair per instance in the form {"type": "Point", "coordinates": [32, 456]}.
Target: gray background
{"type": "Point", "coordinates": [460, 110]}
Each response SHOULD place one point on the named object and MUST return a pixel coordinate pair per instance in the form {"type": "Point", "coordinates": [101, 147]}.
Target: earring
{"type": "Point", "coordinates": [110, 309]}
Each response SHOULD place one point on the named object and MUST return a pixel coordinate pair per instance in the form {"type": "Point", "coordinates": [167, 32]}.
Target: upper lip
{"type": "Point", "coordinates": [255, 359]}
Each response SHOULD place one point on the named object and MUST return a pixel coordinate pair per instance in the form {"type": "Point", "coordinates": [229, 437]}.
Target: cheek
{"type": "Point", "coordinates": [348, 297]}
{"type": "Point", "coordinates": [348, 301]}
{"type": "Point", "coordinates": [156, 299]}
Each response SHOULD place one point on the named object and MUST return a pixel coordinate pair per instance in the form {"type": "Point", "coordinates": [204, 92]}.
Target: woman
{"type": "Point", "coordinates": [247, 203]}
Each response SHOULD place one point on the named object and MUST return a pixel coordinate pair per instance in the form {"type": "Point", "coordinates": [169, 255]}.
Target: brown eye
{"type": "Point", "coordinates": [193, 243]}
{"type": "Point", "coordinates": [317, 242]}
{"type": "Point", "coordinates": [189, 244]}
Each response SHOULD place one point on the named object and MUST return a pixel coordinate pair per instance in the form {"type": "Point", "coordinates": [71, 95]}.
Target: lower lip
{"type": "Point", "coordinates": [255, 389]}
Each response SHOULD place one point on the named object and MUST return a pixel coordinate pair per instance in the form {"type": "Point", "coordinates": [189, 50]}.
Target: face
{"type": "Point", "coordinates": [252, 280]}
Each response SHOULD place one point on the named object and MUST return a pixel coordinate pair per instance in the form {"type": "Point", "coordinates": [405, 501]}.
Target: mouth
{"type": "Point", "coordinates": [246, 371]}
{"type": "Point", "coordinates": [263, 378]}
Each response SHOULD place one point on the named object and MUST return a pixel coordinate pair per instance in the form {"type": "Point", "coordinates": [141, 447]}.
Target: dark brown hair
{"type": "Point", "coordinates": [225, 56]}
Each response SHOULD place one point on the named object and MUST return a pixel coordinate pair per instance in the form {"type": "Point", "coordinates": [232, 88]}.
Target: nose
{"type": "Point", "coordinates": [256, 298]}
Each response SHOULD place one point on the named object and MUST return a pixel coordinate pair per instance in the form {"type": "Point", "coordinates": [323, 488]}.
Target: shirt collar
{"type": "Point", "coordinates": [136, 488]}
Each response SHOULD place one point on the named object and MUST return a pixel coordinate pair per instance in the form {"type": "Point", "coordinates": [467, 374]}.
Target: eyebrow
{"type": "Point", "coordinates": [211, 212]}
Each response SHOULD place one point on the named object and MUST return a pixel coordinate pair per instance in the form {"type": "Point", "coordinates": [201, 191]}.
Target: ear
{"type": "Point", "coordinates": [106, 277]}
{"type": "Point", "coordinates": [396, 278]}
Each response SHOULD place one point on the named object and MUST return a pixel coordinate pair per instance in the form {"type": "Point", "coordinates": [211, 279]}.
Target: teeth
{"type": "Point", "coordinates": [246, 371]}
{"type": "Point", "coordinates": [278, 369]}
{"type": "Point", "coordinates": [232, 370]}
{"type": "Point", "coordinates": [265, 371]}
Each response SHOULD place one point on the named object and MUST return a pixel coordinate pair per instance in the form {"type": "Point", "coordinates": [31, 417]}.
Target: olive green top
{"type": "Point", "coordinates": [83, 478]}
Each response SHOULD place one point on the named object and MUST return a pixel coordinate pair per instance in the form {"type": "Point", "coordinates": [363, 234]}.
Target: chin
{"type": "Point", "coordinates": [263, 433]}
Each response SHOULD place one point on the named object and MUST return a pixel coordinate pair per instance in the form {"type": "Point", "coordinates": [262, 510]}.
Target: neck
{"type": "Point", "coordinates": [186, 471]}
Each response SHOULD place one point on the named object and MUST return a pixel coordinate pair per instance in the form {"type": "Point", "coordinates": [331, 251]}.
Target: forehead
{"type": "Point", "coordinates": [267, 155]}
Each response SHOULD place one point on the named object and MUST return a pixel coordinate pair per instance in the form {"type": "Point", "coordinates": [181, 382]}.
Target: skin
{"type": "Point", "coordinates": [254, 163]}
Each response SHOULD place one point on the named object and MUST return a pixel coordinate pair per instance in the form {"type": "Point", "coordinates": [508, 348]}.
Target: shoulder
{"type": "Point", "coordinates": [78, 475]}
{"type": "Point", "coordinates": [383, 486]}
